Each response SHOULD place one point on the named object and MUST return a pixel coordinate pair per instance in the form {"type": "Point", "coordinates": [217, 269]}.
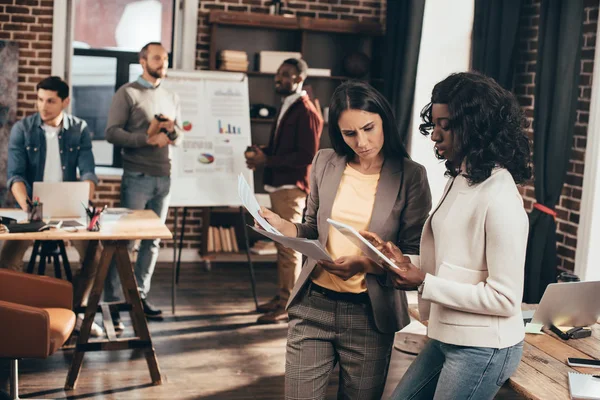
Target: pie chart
{"type": "Point", "coordinates": [206, 158]}
{"type": "Point", "coordinates": [187, 126]}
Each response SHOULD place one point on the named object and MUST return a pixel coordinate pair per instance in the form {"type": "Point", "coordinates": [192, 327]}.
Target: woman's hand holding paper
{"type": "Point", "coordinates": [285, 227]}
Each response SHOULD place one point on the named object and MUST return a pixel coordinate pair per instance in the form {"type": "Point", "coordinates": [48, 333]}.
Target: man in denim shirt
{"type": "Point", "coordinates": [48, 146]}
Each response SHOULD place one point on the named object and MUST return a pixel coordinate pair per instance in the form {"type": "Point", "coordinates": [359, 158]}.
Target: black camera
{"type": "Point", "coordinates": [171, 135]}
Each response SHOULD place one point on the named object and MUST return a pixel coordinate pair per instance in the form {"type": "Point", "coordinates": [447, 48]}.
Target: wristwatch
{"type": "Point", "coordinates": [172, 135]}
{"type": "Point", "coordinates": [421, 287]}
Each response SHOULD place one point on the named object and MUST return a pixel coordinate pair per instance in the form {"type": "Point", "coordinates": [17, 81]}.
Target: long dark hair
{"type": "Point", "coordinates": [356, 95]}
{"type": "Point", "coordinates": [487, 124]}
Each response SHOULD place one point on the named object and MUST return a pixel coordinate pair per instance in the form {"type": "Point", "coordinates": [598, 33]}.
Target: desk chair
{"type": "Point", "coordinates": [50, 250]}
{"type": "Point", "coordinates": [36, 317]}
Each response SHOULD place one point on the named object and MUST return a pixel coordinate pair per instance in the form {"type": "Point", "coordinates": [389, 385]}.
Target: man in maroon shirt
{"type": "Point", "coordinates": [287, 159]}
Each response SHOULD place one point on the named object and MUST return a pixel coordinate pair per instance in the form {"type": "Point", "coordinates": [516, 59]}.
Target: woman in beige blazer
{"type": "Point", "coordinates": [471, 269]}
{"type": "Point", "coordinates": [347, 311]}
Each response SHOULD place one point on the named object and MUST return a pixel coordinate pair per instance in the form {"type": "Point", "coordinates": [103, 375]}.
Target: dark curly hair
{"type": "Point", "coordinates": [356, 95]}
{"type": "Point", "coordinates": [487, 124]}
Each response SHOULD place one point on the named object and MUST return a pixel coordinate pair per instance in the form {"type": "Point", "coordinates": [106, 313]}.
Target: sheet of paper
{"type": "Point", "coordinates": [536, 329]}
{"type": "Point", "coordinates": [366, 247]}
{"type": "Point", "coordinates": [310, 248]}
{"type": "Point", "coordinates": [249, 201]}
{"type": "Point", "coordinates": [17, 214]}
{"type": "Point", "coordinates": [528, 314]}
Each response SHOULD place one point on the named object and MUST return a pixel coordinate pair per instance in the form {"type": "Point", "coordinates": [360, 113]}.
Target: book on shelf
{"type": "Point", "coordinates": [264, 247]}
{"type": "Point", "coordinates": [224, 246]}
{"type": "Point", "coordinates": [234, 241]}
{"type": "Point", "coordinates": [233, 55]}
{"type": "Point", "coordinates": [210, 240]}
{"type": "Point", "coordinates": [217, 236]}
{"type": "Point", "coordinates": [234, 66]}
{"type": "Point", "coordinates": [229, 241]}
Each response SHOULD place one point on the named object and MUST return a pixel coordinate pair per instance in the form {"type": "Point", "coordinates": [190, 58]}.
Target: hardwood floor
{"type": "Point", "coordinates": [212, 349]}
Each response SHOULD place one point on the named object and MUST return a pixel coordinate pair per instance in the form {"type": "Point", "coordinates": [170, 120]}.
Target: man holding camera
{"type": "Point", "coordinates": [143, 120]}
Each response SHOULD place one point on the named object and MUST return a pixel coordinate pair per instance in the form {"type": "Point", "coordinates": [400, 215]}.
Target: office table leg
{"type": "Point", "coordinates": [138, 319]}
{"type": "Point", "coordinates": [82, 286]}
{"type": "Point", "coordinates": [90, 311]}
{"type": "Point", "coordinates": [133, 304]}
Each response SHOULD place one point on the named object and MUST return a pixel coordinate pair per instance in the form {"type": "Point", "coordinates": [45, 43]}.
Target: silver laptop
{"type": "Point", "coordinates": [569, 304]}
{"type": "Point", "coordinates": [62, 199]}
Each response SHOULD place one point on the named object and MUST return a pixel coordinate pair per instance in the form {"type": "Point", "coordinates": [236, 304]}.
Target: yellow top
{"type": "Point", "coordinates": [353, 205]}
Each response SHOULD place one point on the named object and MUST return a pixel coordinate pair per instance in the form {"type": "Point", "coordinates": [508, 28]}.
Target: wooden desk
{"type": "Point", "coordinates": [116, 231]}
{"type": "Point", "coordinates": [543, 371]}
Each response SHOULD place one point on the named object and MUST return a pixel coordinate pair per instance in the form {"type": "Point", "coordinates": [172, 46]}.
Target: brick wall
{"type": "Point", "coordinates": [570, 200]}
{"type": "Point", "coordinates": [29, 23]}
{"type": "Point", "coordinates": [356, 10]}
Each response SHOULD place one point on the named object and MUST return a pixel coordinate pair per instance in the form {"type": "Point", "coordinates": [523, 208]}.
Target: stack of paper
{"type": "Point", "coordinates": [264, 247]}
{"type": "Point", "coordinates": [233, 60]}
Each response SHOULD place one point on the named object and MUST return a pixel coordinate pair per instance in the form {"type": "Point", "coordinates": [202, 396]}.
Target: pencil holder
{"type": "Point", "coordinates": [36, 212]}
{"type": "Point", "coordinates": [93, 223]}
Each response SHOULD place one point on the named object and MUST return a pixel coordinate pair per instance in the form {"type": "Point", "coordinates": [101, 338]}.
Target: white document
{"type": "Point", "coordinates": [535, 329]}
{"type": "Point", "coordinates": [310, 248]}
{"type": "Point", "coordinates": [584, 386]}
{"type": "Point", "coordinates": [359, 241]}
{"type": "Point", "coordinates": [249, 201]}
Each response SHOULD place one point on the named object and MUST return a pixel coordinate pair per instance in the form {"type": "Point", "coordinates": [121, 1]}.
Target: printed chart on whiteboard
{"type": "Point", "coordinates": [216, 122]}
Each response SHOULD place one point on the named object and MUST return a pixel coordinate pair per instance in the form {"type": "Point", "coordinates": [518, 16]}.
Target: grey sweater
{"type": "Point", "coordinates": [131, 110]}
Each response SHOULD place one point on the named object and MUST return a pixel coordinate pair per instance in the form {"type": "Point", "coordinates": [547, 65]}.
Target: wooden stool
{"type": "Point", "coordinates": [50, 250]}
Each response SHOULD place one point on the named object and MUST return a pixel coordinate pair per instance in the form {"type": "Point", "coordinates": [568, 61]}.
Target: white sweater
{"type": "Point", "coordinates": [475, 264]}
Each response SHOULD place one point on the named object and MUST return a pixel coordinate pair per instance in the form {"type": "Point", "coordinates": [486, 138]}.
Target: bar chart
{"type": "Point", "coordinates": [228, 129]}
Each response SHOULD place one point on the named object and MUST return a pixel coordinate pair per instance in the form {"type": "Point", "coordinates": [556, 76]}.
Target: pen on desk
{"type": "Point", "coordinates": [94, 221]}
{"type": "Point", "coordinates": [87, 210]}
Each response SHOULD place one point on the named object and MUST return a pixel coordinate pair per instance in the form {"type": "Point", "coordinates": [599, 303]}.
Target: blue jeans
{"type": "Point", "coordinates": [446, 371]}
{"type": "Point", "coordinates": [140, 192]}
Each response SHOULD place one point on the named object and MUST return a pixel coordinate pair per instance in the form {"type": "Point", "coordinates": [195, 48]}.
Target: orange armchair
{"type": "Point", "coordinates": [36, 311]}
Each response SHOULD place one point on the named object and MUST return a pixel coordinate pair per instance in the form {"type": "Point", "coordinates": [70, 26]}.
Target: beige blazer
{"type": "Point", "coordinates": [475, 268]}
{"type": "Point", "coordinates": [402, 204]}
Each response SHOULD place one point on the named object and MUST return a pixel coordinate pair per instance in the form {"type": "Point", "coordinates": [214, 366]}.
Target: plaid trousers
{"type": "Point", "coordinates": [323, 332]}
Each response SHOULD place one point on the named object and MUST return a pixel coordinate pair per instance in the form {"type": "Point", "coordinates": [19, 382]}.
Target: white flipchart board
{"type": "Point", "coordinates": [215, 117]}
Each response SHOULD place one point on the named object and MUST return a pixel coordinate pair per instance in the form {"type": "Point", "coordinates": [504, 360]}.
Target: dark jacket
{"type": "Point", "coordinates": [402, 205]}
{"type": "Point", "coordinates": [293, 146]}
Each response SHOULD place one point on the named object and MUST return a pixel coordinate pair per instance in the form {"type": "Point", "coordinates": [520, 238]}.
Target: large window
{"type": "Point", "coordinates": [108, 35]}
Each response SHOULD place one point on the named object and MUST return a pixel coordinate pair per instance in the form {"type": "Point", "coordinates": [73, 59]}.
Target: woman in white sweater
{"type": "Point", "coordinates": [471, 269]}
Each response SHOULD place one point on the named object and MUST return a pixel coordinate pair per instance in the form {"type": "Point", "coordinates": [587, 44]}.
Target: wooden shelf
{"type": "Point", "coordinates": [340, 26]}
{"type": "Point", "coordinates": [238, 257]}
{"type": "Point", "coordinates": [332, 78]}
{"type": "Point", "coordinates": [265, 21]}
{"type": "Point", "coordinates": [226, 210]}
{"type": "Point", "coordinates": [262, 120]}
{"type": "Point", "coordinates": [267, 121]}
{"type": "Point", "coordinates": [252, 20]}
